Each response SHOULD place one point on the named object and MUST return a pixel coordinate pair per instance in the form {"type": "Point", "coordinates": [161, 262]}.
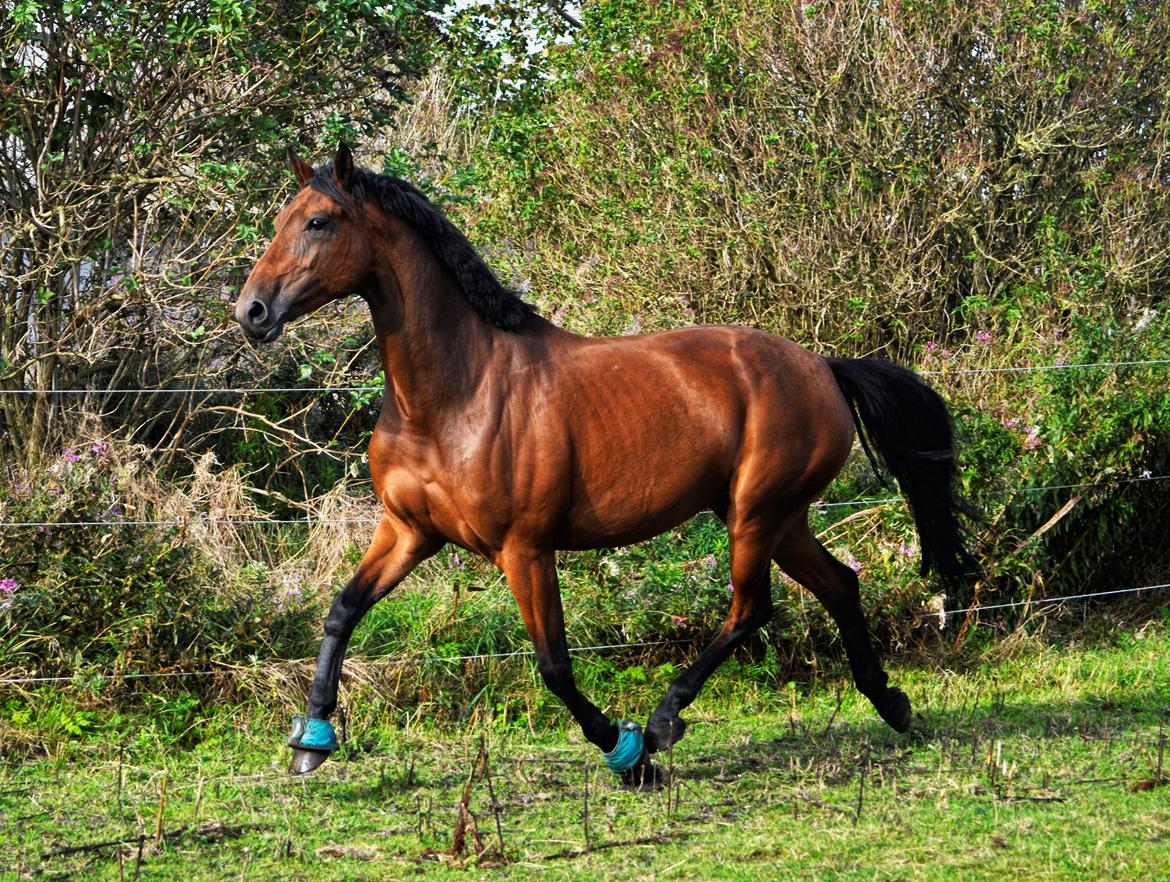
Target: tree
{"type": "Point", "coordinates": [138, 151]}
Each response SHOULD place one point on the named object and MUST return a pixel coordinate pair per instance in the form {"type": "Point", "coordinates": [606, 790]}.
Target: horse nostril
{"type": "Point", "coordinates": [257, 312]}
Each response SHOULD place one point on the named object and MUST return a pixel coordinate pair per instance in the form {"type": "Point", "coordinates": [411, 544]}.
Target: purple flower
{"type": "Point", "coordinates": [854, 564]}
{"type": "Point", "coordinates": [710, 561]}
{"type": "Point", "coordinates": [99, 448]}
{"type": "Point", "coordinates": [983, 336]}
{"type": "Point", "coordinates": [456, 561]}
{"type": "Point", "coordinates": [730, 588]}
{"type": "Point", "coordinates": [905, 550]}
{"type": "Point", "coordinates": [71, 455]}
{"type": "Point", "coordinates": [679, 622]}
{"type": "Point", "coordinates": [931, 346]}
{"type": "Point", "coordinates": [1032, 438]}
{"type": "Point", "coordinates": [1011, 422]}
{"type": "Point", "coordinates": [8, 585]}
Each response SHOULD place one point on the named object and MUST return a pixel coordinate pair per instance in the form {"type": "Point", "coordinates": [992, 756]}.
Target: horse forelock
{"type": "Point", "coordinates": [497, 303]}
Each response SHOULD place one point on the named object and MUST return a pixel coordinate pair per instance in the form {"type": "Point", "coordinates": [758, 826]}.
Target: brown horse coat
{"type": "Point", "coordinates": [512, 438]}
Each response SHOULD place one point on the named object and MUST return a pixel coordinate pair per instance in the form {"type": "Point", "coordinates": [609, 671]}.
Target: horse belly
{"type": "Point", "coordinates": [635, 484]}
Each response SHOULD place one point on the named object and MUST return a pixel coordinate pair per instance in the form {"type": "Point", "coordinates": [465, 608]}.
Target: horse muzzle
{"type": "Point", "coordinates": [259, 321]}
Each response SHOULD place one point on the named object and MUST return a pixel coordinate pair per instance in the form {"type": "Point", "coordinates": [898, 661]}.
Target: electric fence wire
{"type": "Point", "coordinates": [941, 615]}
{"type": "Point", "coordinates": [262, 390]}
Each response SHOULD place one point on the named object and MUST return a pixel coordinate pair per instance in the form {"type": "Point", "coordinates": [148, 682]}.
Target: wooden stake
{"type": "Point", "coordinates": [162, 804]}
{"type": "Point", "coordinates": [198, 799]}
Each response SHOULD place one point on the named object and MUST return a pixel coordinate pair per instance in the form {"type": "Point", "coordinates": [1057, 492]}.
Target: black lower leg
{"type": "Point", "coordinates": [665, 727]}
{"type": "Point", "coordinates": [347, 610]}
{"type": "Point", "coordinates": [556, 669]}
{"type": "Point", "coordinates": [843, 603]}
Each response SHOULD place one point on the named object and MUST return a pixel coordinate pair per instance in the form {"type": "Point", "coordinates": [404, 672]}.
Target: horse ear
{"type": "Point", "coordinates": [343, 166]}
{"type": "Point", "coordinates": [301, 170]}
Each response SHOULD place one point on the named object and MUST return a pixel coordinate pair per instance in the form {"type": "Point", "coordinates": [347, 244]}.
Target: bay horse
{"type": "Point", "coordinates": [512, 438]}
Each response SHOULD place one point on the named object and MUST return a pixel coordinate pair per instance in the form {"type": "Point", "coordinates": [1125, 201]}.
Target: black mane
{"type": "Point", "coordinates": [493, 300]}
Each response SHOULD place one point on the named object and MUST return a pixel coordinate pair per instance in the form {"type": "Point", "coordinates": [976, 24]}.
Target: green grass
{"type": "Point", "coordinates": [1040, 767]}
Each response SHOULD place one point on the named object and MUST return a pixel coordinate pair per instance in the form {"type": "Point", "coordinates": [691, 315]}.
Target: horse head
{"type": "Point", "coordinates": [321, 251]}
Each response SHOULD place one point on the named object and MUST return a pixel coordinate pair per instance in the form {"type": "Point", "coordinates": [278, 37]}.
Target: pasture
{"type": "Point", "coordinates": [1049, 764]}
{"type": "Point", "coordinates": [978, 192]}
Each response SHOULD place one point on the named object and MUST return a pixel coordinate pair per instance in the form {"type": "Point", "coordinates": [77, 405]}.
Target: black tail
{"type": "Point", "coordinates": [908, 424]}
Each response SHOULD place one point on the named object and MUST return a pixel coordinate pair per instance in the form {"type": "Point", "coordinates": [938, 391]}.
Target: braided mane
{"type": "Point", "coordinates": [493, 300]}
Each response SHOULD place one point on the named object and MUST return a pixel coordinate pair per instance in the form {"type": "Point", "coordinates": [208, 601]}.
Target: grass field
{"type": "Point", "coordinates": [1048, 765]}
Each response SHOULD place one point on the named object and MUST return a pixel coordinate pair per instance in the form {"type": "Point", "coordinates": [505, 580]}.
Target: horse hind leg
{"type": "Point", "coordinates": [835, 585]}
{"type": "Point", "coordinates": [751, 608]}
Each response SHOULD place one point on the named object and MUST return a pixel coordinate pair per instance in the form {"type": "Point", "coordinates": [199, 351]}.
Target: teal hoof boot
{"type": "Point", "coordinates": [627, 753]}
{"type": "Point", "coordinates": [630, 759]}
{"type": "Point", "coordinates": [312, 741]}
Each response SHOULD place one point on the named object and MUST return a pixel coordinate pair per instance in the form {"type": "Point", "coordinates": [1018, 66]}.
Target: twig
{"type": "Point", "coordinates": [861, 771]}
{"type": "Point", "coordinates": [836, 710]}
{"type": "Point", "coordinates": [1161, 746]}
{"type": "Point", "coordinates": [121, 811]}
{"type": "Point", "coordinates": [198, 798]}
{"type": "Point", "coordinates": [645, 840]}
{"type": "Point", "coordinates": [585, 810]}
{"type": "Point", "coordinates": [487, 774]}
{"type": "Point", "coordinates": [138, 858]}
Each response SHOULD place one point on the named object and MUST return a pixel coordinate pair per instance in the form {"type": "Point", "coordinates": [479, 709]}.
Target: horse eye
{"type": "Point", "coordinates": [317, 223]}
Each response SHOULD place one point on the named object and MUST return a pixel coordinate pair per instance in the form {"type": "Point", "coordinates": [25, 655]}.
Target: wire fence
{"type": "Point", "coordinates": [942, 615]}
{"type": "Point", "coordinates": [207, 520]}
{"type": "Point", "coordinates": [376, 387]}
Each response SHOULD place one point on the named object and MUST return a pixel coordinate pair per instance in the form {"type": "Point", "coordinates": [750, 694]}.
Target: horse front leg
{"type": "Point", "coordinates": [392, 554]}
{"type": "Point", "coordinates": [532, 577]}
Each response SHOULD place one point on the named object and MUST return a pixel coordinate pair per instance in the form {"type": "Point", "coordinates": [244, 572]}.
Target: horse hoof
{"type": "Point", "coordinates": [661, 734]}
{"type": "Point", "coordinates": [894, 708]}
{"type": "Point", "coordinates": [644, 776]}
{"type": "Point", "coordinates": [304, 761]}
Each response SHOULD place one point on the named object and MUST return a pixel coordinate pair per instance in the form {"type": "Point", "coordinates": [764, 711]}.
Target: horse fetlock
{"type": "Point", "coordinates": [662, 731]}
{"type": "Point", "coordinates": [893, 706]}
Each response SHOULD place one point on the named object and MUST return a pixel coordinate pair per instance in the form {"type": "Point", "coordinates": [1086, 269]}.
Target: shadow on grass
{"type": "Point", "coordinates": [832, 749]}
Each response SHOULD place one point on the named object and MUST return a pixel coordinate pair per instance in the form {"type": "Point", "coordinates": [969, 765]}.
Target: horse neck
{"type": "Point", "coordinates": [435, 347]}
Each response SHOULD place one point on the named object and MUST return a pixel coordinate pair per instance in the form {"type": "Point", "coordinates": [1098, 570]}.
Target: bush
{"type": "Point", "coordinates": [156, 582]}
